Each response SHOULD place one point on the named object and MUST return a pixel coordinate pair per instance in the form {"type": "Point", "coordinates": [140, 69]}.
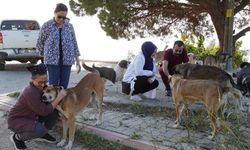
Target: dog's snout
{"type": "Point", "coordinates": [44, 98]}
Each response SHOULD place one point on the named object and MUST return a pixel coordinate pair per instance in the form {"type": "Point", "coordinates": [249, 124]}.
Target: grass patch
{"type": "Point", "coordinates": [196, 120]}
{"type": "Point", "coordinates": [94, 142]}
{"type": "Point", "coordinates": [234, 138]}
{"type": "Point", "coordinates": [14, 94]}
{"type": "Point", "coordinates": [135, 136]}
{"type": "Point", "coordinates": [142, 110]}
{"type": "Point", "coordinates": [187, 140]}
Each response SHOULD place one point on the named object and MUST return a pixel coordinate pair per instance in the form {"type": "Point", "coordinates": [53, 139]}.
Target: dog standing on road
{"type": "Point", "coordinates": [211, 93]}
{"type": "Point", "coordinates": [76, 100]}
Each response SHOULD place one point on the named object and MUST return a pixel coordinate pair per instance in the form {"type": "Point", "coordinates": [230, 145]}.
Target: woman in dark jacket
{"type": "Point", "coordinates": [30, 118]}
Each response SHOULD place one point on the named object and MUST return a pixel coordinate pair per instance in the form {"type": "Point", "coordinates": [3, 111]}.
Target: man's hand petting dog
{"type": "Point", "coordinates": [59, 97]}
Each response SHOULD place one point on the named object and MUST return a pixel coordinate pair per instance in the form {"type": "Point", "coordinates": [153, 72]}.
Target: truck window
{"type": "Point", "coordinates": [19, 25]}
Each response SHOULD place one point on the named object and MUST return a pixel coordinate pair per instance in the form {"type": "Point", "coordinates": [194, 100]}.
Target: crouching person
{"type": "Point", "coordinates": [139, 79]}
{"type": "Point", "coordinates": [30, 118]}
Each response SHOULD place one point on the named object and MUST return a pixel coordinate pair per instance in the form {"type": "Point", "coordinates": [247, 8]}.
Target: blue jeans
{"type": "Point", "coordinates": [59, 75]}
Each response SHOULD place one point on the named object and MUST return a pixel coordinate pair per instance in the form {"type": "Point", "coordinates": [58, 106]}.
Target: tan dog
{"type": "Point", "coordinates": [76, 100]}
{"type": "Point", "coordinates": [216, 60]}
{"type": "Point", "coordinates": [185, 92]}
{"type": "Point", "coordinates": [159, 56]}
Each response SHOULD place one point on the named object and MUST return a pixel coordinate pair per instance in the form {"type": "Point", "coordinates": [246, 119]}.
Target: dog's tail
{"type": "Point", "coordinates": [90, 69]}
{"type": "Point", "coordinates": [235, 92]}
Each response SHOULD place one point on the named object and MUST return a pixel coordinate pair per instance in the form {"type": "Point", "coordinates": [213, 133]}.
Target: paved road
{"type": "Point", "coordinates": [15, 77]}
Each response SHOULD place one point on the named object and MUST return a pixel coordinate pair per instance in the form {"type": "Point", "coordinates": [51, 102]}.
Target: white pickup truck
{"type": "Point", "coordinates": [18, 41]}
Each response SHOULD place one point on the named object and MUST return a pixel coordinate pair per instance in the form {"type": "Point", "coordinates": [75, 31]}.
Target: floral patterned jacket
{"type": "Point", "coordinates": [48, 43]}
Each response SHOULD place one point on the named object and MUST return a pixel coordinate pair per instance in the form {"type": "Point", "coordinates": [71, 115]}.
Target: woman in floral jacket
{"type": "Point", "coordinates": [57, 44]}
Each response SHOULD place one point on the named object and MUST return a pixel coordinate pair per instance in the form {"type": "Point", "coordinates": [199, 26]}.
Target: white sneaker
{"type": "Point", "coordinates": [136, 98]}
{"type": "Point", "coordinates": [150, 94]}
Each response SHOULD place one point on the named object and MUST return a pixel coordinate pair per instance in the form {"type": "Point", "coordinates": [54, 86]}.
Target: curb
{"type": "Point", "coordinates": [121, 139]}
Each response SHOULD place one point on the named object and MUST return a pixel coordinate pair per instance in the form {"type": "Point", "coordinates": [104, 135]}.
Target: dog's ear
{"type": "Point", "coordinates": [123, 64]}
{"type": "Point", "coordinates": [58, 87]}
{"type": "Point", "coordinates": [169, 78]}
{"type": "Point", "coordinates": [174, 70]}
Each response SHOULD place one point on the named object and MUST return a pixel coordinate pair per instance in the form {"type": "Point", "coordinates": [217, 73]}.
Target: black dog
{"type": "Point", "coordinates": [112, 74]}
{"type": "Point", "coordinates": [243, 78]}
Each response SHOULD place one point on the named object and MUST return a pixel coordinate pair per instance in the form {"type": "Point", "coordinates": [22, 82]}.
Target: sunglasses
{"type": "Point", "coordinates": [62, 17]}
{"type": "Point", "coordinates": [42, 82]}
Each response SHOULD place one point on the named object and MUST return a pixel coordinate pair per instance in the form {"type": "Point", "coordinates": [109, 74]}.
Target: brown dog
{"type": "Point", "coordinates": [205, 72]}
{"type": "Point", "coordinates": [217, 60]}
{"type": "Point", "coordinates": [185, 92]}
{"type": "Point", "coordinates": [76, 100]}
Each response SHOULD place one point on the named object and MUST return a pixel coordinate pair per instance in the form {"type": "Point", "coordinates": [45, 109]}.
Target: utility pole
{"type": "Point", "coordinates": [228, 34]}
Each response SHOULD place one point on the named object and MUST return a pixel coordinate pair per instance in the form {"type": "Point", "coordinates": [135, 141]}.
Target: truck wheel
{"type": "Point", "coordinates": [2, 60]}
{"type": "Point", "coordinates": [3, 55]}
{"type": "Point", "coordinates": [33, 61]}
{"type": "Point", "coordinates": [2, 66]}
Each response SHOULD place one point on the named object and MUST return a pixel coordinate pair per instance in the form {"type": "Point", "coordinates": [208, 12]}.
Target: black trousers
{"type": "Point", "coordinates": [142, 85]}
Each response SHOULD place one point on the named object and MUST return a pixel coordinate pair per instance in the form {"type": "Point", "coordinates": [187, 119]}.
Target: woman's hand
{"type": "Point", "coordinates": [61, 94]}
{"type": "Point", "coordinates": [78, 66]}
{"type": "Point", "coordinates": [59, 97]}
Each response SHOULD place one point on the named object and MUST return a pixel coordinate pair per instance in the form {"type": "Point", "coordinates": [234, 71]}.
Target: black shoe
{"type": "Point", "coordinates": [47, 138]}
{"type": "Point", "coordinates": [168, 93]}
{"type": "Point", "coordinates": [17, 143]}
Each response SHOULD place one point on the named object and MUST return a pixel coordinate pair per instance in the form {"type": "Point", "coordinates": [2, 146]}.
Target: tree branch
{"type": "Point", "coordinates": [240, 34]}
{"type": "Point", "coordinates": [241, 6]}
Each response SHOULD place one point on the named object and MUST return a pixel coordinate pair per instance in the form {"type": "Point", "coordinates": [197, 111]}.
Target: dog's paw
{"type": "Point", "coordinates": [68, 146]}
{"type": "Point", "coordinates": [92, 117]}
{"type": "Point", "coordinates": [61, 143]}
{"type": "Point", "coordinates": [249, 109]}
{"type": "Point", "coordinates": [176, 125]}
{"type": "Point", "coordinates": [98, 123]}
{"type": "Point", "coordinates": [211, 137]}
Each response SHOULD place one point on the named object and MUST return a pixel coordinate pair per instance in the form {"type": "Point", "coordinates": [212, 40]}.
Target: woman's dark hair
{"type": "Point", "coordinates": [61, 7]}
{"type": "Point", "coordinates": [40, 69]}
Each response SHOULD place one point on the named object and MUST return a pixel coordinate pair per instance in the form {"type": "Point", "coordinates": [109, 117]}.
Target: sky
{"type": "Point", "coordinates": [92, 40]}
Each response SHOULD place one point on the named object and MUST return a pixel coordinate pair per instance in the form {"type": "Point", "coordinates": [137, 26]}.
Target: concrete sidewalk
{"type": "Point", "coordinates": [145, 132]}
